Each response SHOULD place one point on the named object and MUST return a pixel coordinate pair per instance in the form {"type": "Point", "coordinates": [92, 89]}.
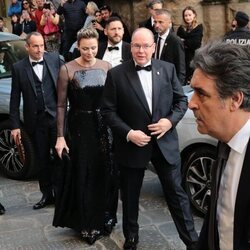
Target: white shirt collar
{"type": "Point", "coordinates": [165, 35]}
{"type": "Point", "coordinates": [239, 141]}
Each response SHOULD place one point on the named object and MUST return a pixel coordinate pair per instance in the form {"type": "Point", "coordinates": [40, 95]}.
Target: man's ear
{"type": "Point", "coordinates": [105, 31]}
{"type": "Point", "coordinates": [236, 100]}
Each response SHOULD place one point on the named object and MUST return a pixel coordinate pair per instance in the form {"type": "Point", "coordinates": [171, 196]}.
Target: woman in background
{"type": "Point", "coordinates": [191, 34]}
{"type": "Point", "coordinates": [90, 11]}
{"type": "Point", "coordinates": [81, 199]}
{"type": "Point", "coordinates": [49, 22]}
{"type": "Point", "coordinates": [16, 26]}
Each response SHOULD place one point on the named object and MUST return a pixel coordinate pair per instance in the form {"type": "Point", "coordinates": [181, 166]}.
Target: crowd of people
{"type": "Point", "coordinates": [112, 105]}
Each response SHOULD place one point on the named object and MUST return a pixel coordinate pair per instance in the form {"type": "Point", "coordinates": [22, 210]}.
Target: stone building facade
{"type": "Point", "coordinates": [216, 16]}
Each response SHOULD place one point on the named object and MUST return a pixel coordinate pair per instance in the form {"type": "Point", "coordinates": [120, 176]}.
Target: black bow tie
{"type": "Point", "coordinates": [111, 48]}
{"type": "Point", "coordinates": [35, 63]}
{"type": "Point", "coordinates": [147, 68]}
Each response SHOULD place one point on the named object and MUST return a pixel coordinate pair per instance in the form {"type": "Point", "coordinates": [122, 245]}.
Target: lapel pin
{"type": "Point", "coordinates": [158, 73]}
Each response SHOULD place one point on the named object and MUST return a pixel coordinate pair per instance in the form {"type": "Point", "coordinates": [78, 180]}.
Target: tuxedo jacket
{"type": "Point", "coordinates": [23, 83]}
{"type": "Point", "coordinates": [126, 51]}
{"type": "Point", "coordinates": [173, 52]}
{"type": "Point", "coordinates": [241, 240]}
{"type": "Point", "coordinates": [124, 107]}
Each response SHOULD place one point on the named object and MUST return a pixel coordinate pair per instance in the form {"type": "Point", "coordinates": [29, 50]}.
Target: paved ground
{"type": "Point", "coordinates": [23, 228]}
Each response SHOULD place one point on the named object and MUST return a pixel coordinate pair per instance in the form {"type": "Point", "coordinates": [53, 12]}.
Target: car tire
{"type": "Point", "coordinates": [16, 162]}
{"type": "Point", "coordinates": [196, 177]}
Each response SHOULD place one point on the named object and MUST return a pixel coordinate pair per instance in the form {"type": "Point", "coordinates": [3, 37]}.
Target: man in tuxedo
{"type": "Point", "coordinates": [222, 109]}
{"type": "Point", "coordinates": [142, 103]}
{"type": "Point", "coordinates": [169, 47]}
{"type": "Point", "coordinates": [151, 5]}
{"type": "Point", "coordinates": [35, 78]}
{"type": "Point", "coordinates": [115, 50]}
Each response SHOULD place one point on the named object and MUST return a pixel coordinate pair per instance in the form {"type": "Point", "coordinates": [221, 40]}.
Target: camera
{"type": "Point", "coordinates": [93, 21]}
{"type": "Point", "coordinates": [46, 6]}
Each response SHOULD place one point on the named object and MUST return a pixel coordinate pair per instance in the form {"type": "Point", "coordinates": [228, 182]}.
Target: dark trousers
{"type": "Point", "coordinates": [176, 198]}
{"type": "Point", "coordinates": [68, 38]}
{"type": "Point", "coordinates": [44, 139]}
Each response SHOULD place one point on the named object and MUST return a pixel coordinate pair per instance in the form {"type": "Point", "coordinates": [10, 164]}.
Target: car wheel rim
{"type": "Point", "coordinates": [9, 156]}
{"type": "Point", "coordinates": [198, 182]}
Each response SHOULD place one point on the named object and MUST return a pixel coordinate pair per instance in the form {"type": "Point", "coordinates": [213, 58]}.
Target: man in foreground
{"type": "Point", "coordinates": [221, 105]}
{"type": "Point", "coordinates": [34, 78]}
{"type": "Point", "coordinates": [143, 102]}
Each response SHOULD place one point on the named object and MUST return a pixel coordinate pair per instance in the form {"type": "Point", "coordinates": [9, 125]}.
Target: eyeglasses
{"type": "Point", "coordinates": [143, 46]}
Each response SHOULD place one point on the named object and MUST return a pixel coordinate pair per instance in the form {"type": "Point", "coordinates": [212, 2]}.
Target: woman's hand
{"type": "Point", "coordinates": [60, 145]}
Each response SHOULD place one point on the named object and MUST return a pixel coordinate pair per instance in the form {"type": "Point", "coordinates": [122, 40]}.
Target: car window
{"type": "Point", "coordinates": [10, 52]}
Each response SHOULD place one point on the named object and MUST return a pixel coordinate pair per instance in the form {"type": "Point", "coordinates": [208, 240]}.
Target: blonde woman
{"type": "Point", "coordinates": [90, 11]}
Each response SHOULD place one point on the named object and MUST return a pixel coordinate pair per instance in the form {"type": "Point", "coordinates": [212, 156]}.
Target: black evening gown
{"type": "Point", "coordinates": [80, 192]}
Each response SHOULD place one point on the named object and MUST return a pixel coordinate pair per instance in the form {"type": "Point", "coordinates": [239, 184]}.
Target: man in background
{"type": "Point", "coordinates": [169, 47]}
{"type": "Point", "coordinates": [241, 34]}
{"type": "Point", "coordinates": [151, 5]}
{"type": "Point", "coordinates": [74, 18]}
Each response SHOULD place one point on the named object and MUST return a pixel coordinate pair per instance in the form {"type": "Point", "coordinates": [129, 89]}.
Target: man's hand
{"type": "Point", "coordinates": [16, 134]}
{"type": "Point", "coordinates": [160, 128]}
{"type": "Point", "coordinates": [138, 137]}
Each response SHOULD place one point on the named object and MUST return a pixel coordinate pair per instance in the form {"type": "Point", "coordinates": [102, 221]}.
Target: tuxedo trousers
{"type": "Point", "coordinates": [44, 138]}
{"type": "Point", "coordinates": [170, 178]}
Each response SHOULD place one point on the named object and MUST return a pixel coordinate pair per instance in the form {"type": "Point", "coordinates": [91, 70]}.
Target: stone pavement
{"type": "Point", "coordinates": [22, 228]}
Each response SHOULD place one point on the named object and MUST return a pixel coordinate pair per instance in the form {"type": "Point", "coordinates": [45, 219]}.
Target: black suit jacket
{"type": "Point", "coordinates": [125, 107]}
{"type": "Point", "coordinates": [173, 52]}
{"type": "Point", "coordinates": [241, 213]}
{"type": "Point", "coordinates": [126, 51]}
{"type": "Point", "coordinates": [147, 24]}
{"type": "Point", "coordinates": [23, 84]}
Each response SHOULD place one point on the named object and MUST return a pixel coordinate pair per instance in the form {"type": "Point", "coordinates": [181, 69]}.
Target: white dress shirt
{"type": "Point", "coordinates": [229, 186]}
{"type": "Point", "coordinates": [37, 68]}
{"type": "Point", "coordinates": [146, 82]}
{"type": "Point", "coordinates": [163, 39]}
{"type": "Point", "coordinates": [114, 57]}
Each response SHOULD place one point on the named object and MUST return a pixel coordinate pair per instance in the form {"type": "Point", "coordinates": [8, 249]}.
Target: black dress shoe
{"type": "Point", "coordinates": [109, 225]}
{"type": "Point", "coordinates": [131, 243]}
{"type": "Point", "coordinates": [46, 200]}
{"type": "Point", "coordinates": [2, 209]}
{"type": "Point", "coordinates": [93, 236]}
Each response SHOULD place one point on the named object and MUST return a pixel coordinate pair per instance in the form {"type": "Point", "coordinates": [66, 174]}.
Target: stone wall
{"type": "Point", "coordinates": [216, 18]}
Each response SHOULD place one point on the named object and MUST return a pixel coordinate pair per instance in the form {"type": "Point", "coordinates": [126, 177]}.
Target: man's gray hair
{"type": "Point", "coordinates": [229, 66]}
{"type": "Point", "coordinates": [165, 12]}
{"type": "Point", "coordinates": [151, 3]}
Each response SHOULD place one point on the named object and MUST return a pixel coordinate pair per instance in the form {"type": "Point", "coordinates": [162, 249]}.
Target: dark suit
{"type": "Point", "coordinates": [125, 108]}
{"type": "Point", "coordinates": [241, 232]}
{"type": "Point", "coordinates": [147, 24]}
{"type": "Point", "coordinates": [39, 118]}
{"type": "Point", "coordinates": [126, 52]}
{"type": "Point", "coordinates": [173, 52]}
{"type": "Point", "coordinates": [112, 179]}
